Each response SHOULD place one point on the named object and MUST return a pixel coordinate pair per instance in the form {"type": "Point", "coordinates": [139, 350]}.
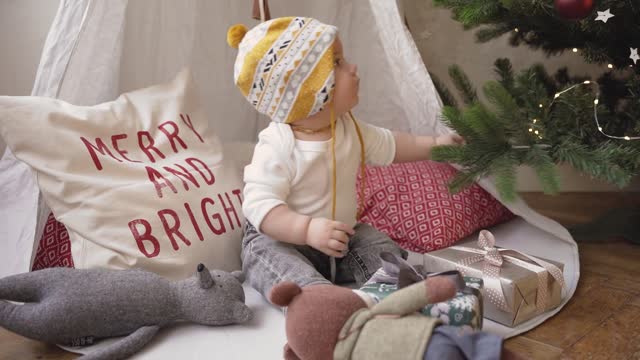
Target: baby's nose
{"type": "Point", "coordinates": [354, 69]}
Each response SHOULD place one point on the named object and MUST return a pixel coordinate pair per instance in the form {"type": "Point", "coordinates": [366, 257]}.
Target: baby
{"type": "Point", "coordinates": [300, 197]}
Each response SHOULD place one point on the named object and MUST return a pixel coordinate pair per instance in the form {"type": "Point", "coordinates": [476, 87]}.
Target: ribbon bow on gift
{"type": "Point", "coordinates": [493, 258]}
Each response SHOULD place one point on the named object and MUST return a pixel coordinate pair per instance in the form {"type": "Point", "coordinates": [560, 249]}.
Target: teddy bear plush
{"type": "Point", "coordinates": [325, 322]}
{"type": "Point", "coordinates": [75, 306]}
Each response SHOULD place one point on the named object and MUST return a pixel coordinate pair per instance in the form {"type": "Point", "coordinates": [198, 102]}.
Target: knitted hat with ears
{"type": "Point", "coordinates": [285, 66]}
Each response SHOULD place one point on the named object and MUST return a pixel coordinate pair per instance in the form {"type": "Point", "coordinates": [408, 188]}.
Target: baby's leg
{"type": "Point", "coordinates": [363, 258]}
{"type": "Point", "coordinates": [451, 342]}
{"type": "Point", "coordinates": [266, 262]}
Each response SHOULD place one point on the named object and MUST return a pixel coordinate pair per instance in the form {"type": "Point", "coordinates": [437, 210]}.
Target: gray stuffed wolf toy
{"type": "Point", "coordinates": [75, 307]}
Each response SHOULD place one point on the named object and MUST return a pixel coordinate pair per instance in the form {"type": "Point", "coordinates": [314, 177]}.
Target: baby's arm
{"type": "Point", "coordinates": [383, 147]}
{"type": "Point", "coordinates": [328, 236]}
{"type": "Point", "coordinates": [267, 185]}
{"type": "Point", "coordinates": [286, 225]}
{"type": "Point", "coordinates": [416, 148]}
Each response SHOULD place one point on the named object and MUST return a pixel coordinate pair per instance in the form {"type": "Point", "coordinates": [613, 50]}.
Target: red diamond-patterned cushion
{"type": "Point", "coordinates": [54, 249]}
{"type": "Point", "coordinates": [410, 202]}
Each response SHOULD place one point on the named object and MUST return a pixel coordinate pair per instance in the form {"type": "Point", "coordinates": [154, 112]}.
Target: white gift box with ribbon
{"type": "Point", "coordinates": [517, 286]}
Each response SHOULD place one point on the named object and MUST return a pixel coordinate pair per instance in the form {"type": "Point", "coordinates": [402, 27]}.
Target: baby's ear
{"type": "Point", "coordinates": [282, 294]}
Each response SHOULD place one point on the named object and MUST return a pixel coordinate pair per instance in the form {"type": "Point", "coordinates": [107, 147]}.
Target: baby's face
{"type": "Point", "coordinates": [347, 81]}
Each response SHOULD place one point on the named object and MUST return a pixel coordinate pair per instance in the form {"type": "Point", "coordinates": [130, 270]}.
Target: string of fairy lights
{"type": "Point", "coordinates": [603, 16]}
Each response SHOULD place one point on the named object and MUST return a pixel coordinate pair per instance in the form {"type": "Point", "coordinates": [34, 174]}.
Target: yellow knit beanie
{"type": "Point", "coordinates": [285, 66]}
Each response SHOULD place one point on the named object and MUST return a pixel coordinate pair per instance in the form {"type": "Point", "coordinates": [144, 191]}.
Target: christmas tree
{"type": "Point", "coordinates": [535, 119]}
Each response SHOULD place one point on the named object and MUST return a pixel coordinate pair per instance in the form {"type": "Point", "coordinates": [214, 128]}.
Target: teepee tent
{"type": "Point", "coordinates": [97, 50]}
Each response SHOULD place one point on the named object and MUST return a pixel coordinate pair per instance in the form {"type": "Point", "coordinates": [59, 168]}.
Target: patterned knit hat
{"type": "Point", "coordinates": [285, 66]}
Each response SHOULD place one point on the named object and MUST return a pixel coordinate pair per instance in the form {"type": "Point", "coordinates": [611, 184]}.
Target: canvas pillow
{"type": "Point", "coordinates": [410, 202]}
{"type": "Point", "coordinates": [54, 247]}
{"type": "Point", "coordinates": [138, 182]}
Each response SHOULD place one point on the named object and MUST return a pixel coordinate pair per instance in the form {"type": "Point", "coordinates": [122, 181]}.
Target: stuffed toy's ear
{"type": "Point", "coordinates": [392, 264]}
{"type": "Point", "coordinates": [439, 289]}
{"type": "Point", "coordinates": [238, 275]}
{"type": "Point", "coordinates": [453, 275]}
{"type": "Point", "coordinates": [204, 276]}
{"type": "Point", "coordinates": [407, 277]}
{"type": "Point", "coordinates": [289, 354]}
{"type": "Point", "coordinates": [282, 293]}
{"type": "Point", "coordinates": [241, 312]}
{"type": "Point", "coordinates": [420, 270]}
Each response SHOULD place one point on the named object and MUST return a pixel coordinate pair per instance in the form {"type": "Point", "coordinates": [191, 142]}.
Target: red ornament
{"type": "Point", "coordinates": [574, 9]}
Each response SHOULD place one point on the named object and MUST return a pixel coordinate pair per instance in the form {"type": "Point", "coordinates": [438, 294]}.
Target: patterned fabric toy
{"type": "Point", "coordinates": [75, 307]}
{"type": "Point", "coordinates": [464, 310]}
{"type": "Point", "coordinates": [329, 322]}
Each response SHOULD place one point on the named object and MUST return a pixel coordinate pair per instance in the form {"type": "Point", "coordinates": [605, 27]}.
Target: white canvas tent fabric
{"type": "Point", "coordinates": [98, 49]}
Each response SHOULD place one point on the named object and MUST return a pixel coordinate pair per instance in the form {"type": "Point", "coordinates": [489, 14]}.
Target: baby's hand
{"type": "Point", "coordinates": [449, 139]}
{"type": "Point", "coordinates": [328, 236]}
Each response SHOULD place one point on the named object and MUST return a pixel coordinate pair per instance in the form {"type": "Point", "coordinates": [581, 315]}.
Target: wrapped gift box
{"type": "Point", "coordinates": [517, 287]}
{"type": "Point", "coordinates": [464, 309]}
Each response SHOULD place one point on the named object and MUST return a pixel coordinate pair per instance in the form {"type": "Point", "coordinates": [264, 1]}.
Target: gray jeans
{"type": "Point", "coordinates": [452, 343]}
{"type": "Point", "coordinates": [266, 262]}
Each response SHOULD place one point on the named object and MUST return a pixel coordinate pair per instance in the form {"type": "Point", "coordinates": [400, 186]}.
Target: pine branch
{"type": "Point", "coordinates": [463, 84]}
{"type": "Point", "coordinates": [504, 168]}
{"type": "Point", "coordinates": [453, 118]}
{"type": "Point", "coordinates": [483, 122]}
{"type": "Point", "coordinates": [464, 179]}
{"type": "Point", "coordinates": [445, 95]}
{"type": "Point", "coordinates": [461, 180]}
{"type": "Point", "coordinates": [450, 153]}
{"type": "Point", "coordinates": [545, 169]}
{"type": "Point", "coordinates": [604, 163]}
{"type": "Point", "coordinates": [470, 12]}
{"type": "Point", "coordinates": [541, 27]}
{"type": "Point", "coordinates": [530, 89]}
{"type": "Point", "coordinates": [478, 12]}
{"type": "Point", "coordinates": [492, 32]}
{"type": "Point", "coordinates": [568, 127]}
{"type": "Point", "coordinates": [505, 106]}
{"type": "Point", "coordinates": [542, 76]}
{"type": "Point", "coordinates": [519, 127]}
{"type": "Point", "coordinates": [504, 71]}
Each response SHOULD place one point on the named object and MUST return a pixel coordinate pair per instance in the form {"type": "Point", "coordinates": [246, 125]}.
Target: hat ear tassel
{"type": "Point", "coordinates": [235, 34]}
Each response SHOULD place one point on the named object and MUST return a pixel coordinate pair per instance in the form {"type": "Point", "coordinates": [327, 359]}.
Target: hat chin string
{"type": "Point", "coordinates": [332, 112]}
{"type": "Point", "coordinates": [332, 260]}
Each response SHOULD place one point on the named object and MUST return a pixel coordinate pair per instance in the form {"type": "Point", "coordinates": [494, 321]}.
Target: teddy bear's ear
{"type": "Point", "coordinates": [289, 354]}
{"type": "Point", "coordinates": [282, 293]}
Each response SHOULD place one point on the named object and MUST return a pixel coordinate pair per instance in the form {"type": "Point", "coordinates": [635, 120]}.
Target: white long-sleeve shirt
{"type": "Point", "coordinates": [285, 170]}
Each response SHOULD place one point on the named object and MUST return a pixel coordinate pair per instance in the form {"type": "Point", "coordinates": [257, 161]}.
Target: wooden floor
{"type": "Point", "coordinates": [602, 321]}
